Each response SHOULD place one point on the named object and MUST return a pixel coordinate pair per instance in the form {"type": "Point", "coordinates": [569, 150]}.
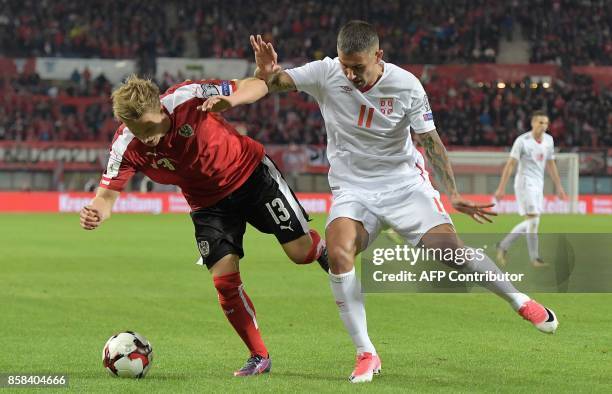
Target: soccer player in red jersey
{"type": "Point", "coordinates": [225, 177]}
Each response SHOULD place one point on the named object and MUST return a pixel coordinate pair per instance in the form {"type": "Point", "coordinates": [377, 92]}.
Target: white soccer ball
{"type": "Point", "coordinates": [127, 355]}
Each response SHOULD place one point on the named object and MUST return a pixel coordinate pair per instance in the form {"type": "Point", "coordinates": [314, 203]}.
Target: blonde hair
{"type": "Point", "coordinates": [134, 98]}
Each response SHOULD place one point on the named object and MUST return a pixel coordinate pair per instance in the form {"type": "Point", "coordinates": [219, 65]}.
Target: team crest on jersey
{"type": "Point", "coordinates": [186, 130]}
{"type": "Point", "coordinates": [204, 248]}
{"type": "Point", "coordinates": [386, 106]}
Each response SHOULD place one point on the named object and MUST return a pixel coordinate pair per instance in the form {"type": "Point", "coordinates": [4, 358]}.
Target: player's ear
{"type": "Point", "coordinates": [379, 55]}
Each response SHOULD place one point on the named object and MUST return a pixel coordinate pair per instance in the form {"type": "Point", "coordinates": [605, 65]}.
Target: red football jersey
{"type": "Point", "coordinates": [201, 153]}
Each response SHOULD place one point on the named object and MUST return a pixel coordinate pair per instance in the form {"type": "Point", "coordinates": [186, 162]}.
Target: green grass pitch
{"type": "Point", "coordinates": [64, 291]}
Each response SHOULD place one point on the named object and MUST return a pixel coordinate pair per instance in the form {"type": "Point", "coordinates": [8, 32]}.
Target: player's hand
{"type": "Point", "coordinates": [476, 211]}
{"type": "Point", "coordinates": [216, 104]}
{"type": "Point", "coordinates": [90, 217]}
{"type": "Point", "coordinates": [498, 194]}
{"type": "Point", "coordinates": [562, 195]}
{"type": "Point", "coordinates": [266, 58]}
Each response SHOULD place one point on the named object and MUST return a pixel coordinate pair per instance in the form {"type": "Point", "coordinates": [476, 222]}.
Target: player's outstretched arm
{"type": "Point", "coordinates": [268, 68]}
{"type": "Point", "coordinates": [99, 209]}
{"type": "Point", "coordinates": [248, 91]}
{"type": "Point", "coordinates": [506, 174]}
{"type": "Point", "coordinates": [553, 172]}
{"type": "Point", "coordinates": [438, 159]}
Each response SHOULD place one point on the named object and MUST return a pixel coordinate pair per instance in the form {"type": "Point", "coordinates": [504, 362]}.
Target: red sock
{"type": "Point", "coordinates": [316, 248]}
{"type": "Point", "coordinates": [240, 311]}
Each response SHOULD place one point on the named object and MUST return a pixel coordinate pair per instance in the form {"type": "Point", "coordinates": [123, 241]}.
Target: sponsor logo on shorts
{"type": "Point", "coordinates": [185, 131]}
{"type": "Point", "coordinates": [428, 116]}
{"type": "Point", "coordinates": [204, 248]}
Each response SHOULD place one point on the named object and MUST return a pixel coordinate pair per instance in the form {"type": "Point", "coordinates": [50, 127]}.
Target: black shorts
{"type": "Point", "coordinates": [264, 200]}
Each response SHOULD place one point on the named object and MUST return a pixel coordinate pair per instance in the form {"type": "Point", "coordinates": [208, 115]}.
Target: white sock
{"type": "Point", "coordinates": [347, 291]}
{"type": "Point", "coordinates": [516, 232]}
{"type": "Point", "coordinates": [504, 289]}
{"type": "Point", "coordinates": [532, 238]}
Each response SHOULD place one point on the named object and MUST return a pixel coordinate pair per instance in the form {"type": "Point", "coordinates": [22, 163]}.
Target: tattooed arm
{"type": "Point", "coordinates": [280, 81]}
{"type": "Point", "coordinates": [435, 152]}
{"type": "Point", "coordinates": [436, 155]}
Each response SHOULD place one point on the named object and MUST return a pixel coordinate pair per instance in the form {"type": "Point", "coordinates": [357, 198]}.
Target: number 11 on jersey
{"type": "Point", "coordinates": [362, 112]}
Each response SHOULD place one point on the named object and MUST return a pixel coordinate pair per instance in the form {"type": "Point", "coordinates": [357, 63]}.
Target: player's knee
{"type": "Point", "coordinates": [533, 222]}
{"type": "Point", "coordinates": [300, 250]}
{"type": "Point", "coordinates": [341, 258]}
{"type": "Point", "coordinates": [226, 265]}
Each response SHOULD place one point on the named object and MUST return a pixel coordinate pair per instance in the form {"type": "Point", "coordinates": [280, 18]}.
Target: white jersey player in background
{"type": "Point", "coordinates": [376, 174]}
{"type": "Point", "coordinates": [533, 151]}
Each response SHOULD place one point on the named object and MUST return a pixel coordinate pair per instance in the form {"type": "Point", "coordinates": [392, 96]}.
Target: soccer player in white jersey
{"type": "Point", "coordinates": [376, 174]}
{"type": "Point", "coordinates": [533, 151]}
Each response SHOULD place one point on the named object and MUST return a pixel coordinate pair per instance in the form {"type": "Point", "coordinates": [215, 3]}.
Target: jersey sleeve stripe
{"type": "Point", "coordinates": [117, 151]}
{"type": "Point", "coordinates": [179, 96]}
{"type": "Point", "coordinates": [199, 90]}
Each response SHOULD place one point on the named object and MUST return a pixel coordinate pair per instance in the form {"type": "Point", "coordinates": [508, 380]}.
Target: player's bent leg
{"type": "Point", "coordinates": [345, 239]}
{"type": "Point", "coordinates": [306, 249]}
{"type": "Point", "coordinates": [240, 312]}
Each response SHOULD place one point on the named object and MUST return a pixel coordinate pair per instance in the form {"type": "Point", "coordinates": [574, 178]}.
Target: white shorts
{"type": "Point", "coordinates": [530, 200]}
{"type": "Point", "coordinates": [411, 212]}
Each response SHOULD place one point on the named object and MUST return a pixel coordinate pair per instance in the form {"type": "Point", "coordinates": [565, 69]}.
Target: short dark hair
{"type": "Point", "coordinates": [539, 112]}
{"type": "Point", "coordinates": [357, 36]}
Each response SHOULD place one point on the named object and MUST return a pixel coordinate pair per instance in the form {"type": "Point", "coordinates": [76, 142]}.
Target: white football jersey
{"type": "Point", "coordinates": [368, 133]}
{"type": "Point", "coordinates": [532, 157]}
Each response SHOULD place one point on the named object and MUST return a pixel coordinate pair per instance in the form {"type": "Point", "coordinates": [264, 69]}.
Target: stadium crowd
{"type": "Point", "coordinates": [466, 114]}
{"type": "Point", "coordinates": [568, 31]}
{"type": "Point", "coordinates": [420, 31]}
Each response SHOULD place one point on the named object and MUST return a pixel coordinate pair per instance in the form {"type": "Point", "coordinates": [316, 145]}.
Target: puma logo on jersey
{"type": "Point", "coordinates": [166, 163]}
{"type": "Point", "coordinates": [288, 227]}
